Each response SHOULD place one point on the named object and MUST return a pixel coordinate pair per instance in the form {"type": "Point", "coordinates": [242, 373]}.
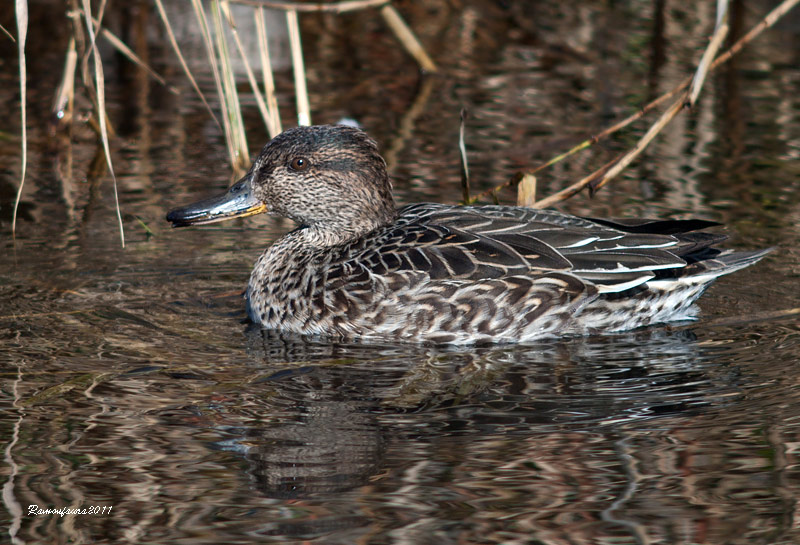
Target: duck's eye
{"type": "Point", "coordinates": [299, 163]}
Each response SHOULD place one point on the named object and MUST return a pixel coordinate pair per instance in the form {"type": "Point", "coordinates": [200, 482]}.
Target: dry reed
{"type": "Point", "coordinates": [274, 119]}
{"type": "Point", "coordinates": [463, 151]}
{"type": "Point", "coordinates": [229, 95]}
{"type": "Point", "coordinates": [768, 21]}
{"type": "Point", "coordinates": [21, 12]}
{"type": "Point", "coordinates": [176, 48]}
{"type": "Point", "coordinates": [221, 67]}
{"type": "Point", "coordinates": [303, 108]}
{"type": "Point", "coordinates": [101, 108]}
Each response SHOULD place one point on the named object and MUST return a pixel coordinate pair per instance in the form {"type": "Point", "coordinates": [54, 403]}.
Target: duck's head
{"type": "Point", "coordinates": [330, 177]}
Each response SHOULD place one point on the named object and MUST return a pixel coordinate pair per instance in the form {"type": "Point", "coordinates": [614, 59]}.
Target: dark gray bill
{"type": "Point", "coordinates": [237, 202]}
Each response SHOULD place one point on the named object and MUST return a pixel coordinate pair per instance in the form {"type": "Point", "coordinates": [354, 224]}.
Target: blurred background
{"type": "Point", "coordinates": [130, 380]}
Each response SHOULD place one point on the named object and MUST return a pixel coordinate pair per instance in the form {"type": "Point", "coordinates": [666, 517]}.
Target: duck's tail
{"type": "Point", "coordinates": [668, 297]}
{"type": "Point", "coordinates": [725, 262]}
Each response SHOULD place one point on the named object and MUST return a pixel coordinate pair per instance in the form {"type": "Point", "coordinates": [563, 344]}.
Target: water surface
{"type": "Point", "coordinates": [130, 380]}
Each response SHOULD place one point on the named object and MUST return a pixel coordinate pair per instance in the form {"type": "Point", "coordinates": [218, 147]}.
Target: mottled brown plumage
{"type": "Point", "coordinates": [357, 267]}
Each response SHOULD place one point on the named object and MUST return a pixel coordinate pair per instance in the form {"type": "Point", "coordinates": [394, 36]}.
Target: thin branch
{"type": "Point", "coordinates": [572, 190]}
{"type": "Point", "coordinates": [101, 110]}
{"type": "Point", "coordinates": [406, 37]}
{"type": "Point", "coordinates": [338, 7]}
{"type": "Point", "coordinates": [600, 177]}
{"type": "Point", "coordinates": [185, 66]}
{"type": "Point", "coordinates": [7, 33]}
{"type": "Point", "coordinates": [720, 32]}
{"type": "Point", "coordinates": [769, 20]}
{"type": "Point", "coordinates": [133, 57]}
{"type": "Point", "coordinates": [101, 11]}
{"type": "Point", "coordinates": [589, 142]}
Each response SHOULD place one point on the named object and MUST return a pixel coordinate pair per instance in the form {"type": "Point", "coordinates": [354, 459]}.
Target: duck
{"type": "Point", "coordinates": [357, 267]}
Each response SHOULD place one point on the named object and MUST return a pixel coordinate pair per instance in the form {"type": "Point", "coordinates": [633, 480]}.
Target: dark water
{"type": "Point", "coordinates": [130, 381]}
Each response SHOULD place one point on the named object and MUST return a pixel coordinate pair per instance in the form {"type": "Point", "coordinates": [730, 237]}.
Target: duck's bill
{"type": "Point", "coordinates": [237, 202]}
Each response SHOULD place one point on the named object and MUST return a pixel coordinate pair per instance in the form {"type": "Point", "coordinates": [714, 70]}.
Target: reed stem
{"type": "Point", "coordinates": [21, 14]}
{"type": "Point", "coordinates": [406, 37]}
{"type": "Point", "coordinates": [768, 21]}
{"type": "Point", "coordinates": [303, 109]}
{"type": "Point", "coordinates": [274, 122]}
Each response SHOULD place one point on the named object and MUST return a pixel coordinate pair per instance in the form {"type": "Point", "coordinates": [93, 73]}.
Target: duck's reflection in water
{"type": "Point", "coordinates": [319, 416]}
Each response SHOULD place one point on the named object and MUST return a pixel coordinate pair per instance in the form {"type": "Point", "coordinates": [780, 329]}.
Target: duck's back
{"type": "Point", "coordinates": [464, 274]}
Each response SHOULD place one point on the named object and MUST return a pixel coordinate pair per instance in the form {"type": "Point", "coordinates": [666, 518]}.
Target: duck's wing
{"type": "Point", "coordinates": [486, 242]}
{"type": "Point", "coordinates": [495, 241]}
{"type": "Point", "coordinates": [454, 243]}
